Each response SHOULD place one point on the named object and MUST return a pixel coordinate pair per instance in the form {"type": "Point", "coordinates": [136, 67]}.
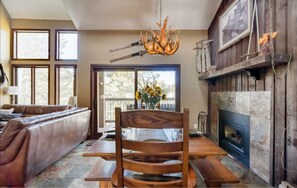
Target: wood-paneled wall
{"type": "Point", "coordinates": [283, 87]}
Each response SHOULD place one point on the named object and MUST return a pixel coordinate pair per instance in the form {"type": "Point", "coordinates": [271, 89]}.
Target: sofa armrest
{"type": "Point", "coordinates": [9, 153]}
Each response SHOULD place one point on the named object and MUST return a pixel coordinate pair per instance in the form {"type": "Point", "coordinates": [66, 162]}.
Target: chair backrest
{"type": "Point", "coordinates": [153, 157]}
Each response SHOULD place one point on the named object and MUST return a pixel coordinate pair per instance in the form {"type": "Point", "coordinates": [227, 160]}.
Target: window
{"type": "Point", "coordinates": [66, 45]}
{"type": "Point", "coordinates": [65, 83]}
{"type": "Point", "coordinates": [31, 44]}
{"type": "Point", "coordinates": [33, 83]}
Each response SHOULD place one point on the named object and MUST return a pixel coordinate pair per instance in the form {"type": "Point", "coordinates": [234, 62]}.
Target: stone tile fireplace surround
{"type": "Point", "coordinates": [258, 106]}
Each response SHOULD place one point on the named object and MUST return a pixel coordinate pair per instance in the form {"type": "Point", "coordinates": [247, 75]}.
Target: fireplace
{"type": "Point", "coordinates": [234, 135]}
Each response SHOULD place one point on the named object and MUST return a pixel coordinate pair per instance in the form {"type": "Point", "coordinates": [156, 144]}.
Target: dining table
{"type": "Point", "coordinates": [199, 145]}
{"type": "Point", "coordinates": [104, 148]}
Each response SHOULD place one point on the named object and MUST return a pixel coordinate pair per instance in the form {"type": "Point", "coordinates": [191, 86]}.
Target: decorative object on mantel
{"type": "Point", "coordinates": [260, 61]}
{"type": "Point", "coordinates": [203, 56]}
{"type": "Point", "coordinates": [164, 42]}
{"type": "Point", "coordinates": [266, 43]}
{"type": "Point", "coordinates": [255, 18]}
{"type": "Point", "coordinates": [151, 94]}
{"type": "Point", "coordinates": [270, 46]}
{"type": "Point", "coordinates": [267, 46]}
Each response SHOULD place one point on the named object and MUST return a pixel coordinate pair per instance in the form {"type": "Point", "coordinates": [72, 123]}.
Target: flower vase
{"type": "Point", "coordinates": [150, 106]}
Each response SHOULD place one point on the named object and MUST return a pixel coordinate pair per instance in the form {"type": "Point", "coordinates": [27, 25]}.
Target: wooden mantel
{"type": "Point", "coordinates": [260, 61]}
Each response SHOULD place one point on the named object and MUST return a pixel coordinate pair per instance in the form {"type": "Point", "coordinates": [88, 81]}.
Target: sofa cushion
{"type": "Point", "coordinates": [34, 109]}
{"type": "Point", "coordinates": [6, 111]}
{"type": "Point", "coordinates": [17, 108]}
{"type": "Point", "coordinates": [31, 110]}
{"type": "Point", "coordinates": [55, 108]}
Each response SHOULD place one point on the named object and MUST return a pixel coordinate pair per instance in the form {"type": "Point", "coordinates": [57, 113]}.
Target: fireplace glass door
{"type": "Point", "coordinates": [234, 134]}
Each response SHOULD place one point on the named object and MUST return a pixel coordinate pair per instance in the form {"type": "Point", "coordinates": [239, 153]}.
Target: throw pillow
{"type": "Point", "coordinates": [6, 111]}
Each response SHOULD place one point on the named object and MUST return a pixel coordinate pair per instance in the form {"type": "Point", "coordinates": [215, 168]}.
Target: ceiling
{"type": "Point", "coordinates": [118, 14]}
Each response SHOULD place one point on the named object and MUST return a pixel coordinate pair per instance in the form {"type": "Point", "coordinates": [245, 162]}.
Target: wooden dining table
{"type": "Point", "coordinates": [104, 148]}
{"type": "Point", "coordinates": [199, 147]}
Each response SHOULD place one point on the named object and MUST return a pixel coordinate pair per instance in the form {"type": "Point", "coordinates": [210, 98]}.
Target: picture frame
{"type": "Point", "coordinates": [234, 23]}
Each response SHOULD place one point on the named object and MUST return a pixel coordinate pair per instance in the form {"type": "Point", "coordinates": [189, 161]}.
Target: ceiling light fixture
{"type": "Point", "coordinates": [162, 42]}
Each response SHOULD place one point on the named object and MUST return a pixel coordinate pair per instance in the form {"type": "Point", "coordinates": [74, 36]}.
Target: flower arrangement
{"type": "Point", "coordinates": [266, 45]}
{"type": "Point", "coordinates": [151, 94]}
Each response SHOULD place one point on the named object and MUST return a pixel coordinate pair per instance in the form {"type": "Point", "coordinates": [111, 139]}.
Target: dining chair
{"type": "Point", "coordinates": [158, 163]}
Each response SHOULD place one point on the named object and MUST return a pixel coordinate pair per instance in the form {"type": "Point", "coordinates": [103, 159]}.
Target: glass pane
{"type": "Point", "coordinates": [67, 45]}
{"type": "Point", "coordinates": [41, 86]}
{"type": "Point", "coordinates": [24, 84]}
{"type": "Point", "coordinates": [66, 84]}
{"type": "Point", "coordinates": [164, 79]}
{"type": "Point", "coordinates": [115, 89]}
{"type": "Point", "coordinates": [32, 45]}
{"type": "Point", "coordinates": [233, 134]}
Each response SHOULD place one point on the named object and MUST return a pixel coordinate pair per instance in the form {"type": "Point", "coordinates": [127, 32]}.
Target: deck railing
{"type": "Point", "coordinates": [128, 104]}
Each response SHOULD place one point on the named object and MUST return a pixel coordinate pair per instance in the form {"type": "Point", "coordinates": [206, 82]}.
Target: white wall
{"type": "Point", "coordinates": [4, 49]}
{"type": "Point", "coordinates": [94, 49]}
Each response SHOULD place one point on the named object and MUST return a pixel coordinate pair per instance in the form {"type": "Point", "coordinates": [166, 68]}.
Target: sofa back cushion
{"type": "Point", "coordinates": [55, 108]}
{"type": "Point", "coordinates": [34, 109]}
{"type": "Point", "coordinates": [17, 108]}
{"type": "Point", "coordinates": [31, 110]}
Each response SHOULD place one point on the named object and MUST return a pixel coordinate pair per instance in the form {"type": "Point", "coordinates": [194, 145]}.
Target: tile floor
{"type": "Point", "coordinates": [72, 168]}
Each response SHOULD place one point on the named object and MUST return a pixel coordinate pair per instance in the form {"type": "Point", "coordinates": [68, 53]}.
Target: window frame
{"type": "Point", "coordinates": [33, 67]}
{"type": "Point", "coordinates": [57, 39]}
{"type": "Point", "coordinates": [14, 43]}
{"type": "Point", "coordinates": [134, 67]}
{"type": "Point", "coordinates": [57, 80]}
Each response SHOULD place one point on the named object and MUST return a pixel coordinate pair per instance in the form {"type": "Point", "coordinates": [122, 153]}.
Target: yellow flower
{"type": "Point", "coordinates": [164, 96]}
{"type": "Point", "coordinates": [150, 93]}
{"type": "Point", "coordinates": [137, 95]}
{"type": "Point", "coordinates": [158, 89]}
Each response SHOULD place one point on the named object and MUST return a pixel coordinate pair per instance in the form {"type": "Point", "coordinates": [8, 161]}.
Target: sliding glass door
{"type": "Point", "coordinates": [115, 86]}
{"type": "Point", "coordinates": [164, 79]}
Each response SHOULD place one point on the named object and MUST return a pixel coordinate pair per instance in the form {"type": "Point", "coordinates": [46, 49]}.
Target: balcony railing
{"type": "Point", "coordinates": [128, 104]}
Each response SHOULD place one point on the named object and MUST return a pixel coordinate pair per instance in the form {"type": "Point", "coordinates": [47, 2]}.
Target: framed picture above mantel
{"type": "Point", "coordinates": [234, 23]}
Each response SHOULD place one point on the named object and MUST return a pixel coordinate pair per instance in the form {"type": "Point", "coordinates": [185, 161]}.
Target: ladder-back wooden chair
{"type": "Point", "coordinates": [155, 169]}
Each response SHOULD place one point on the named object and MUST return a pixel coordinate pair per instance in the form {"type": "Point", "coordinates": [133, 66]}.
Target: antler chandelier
{"type": "Point", "coordinates": [162, 42]}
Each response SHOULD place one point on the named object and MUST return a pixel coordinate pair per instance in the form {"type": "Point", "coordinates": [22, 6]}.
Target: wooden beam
{"type": "Point", "coordinates": [256, 62]}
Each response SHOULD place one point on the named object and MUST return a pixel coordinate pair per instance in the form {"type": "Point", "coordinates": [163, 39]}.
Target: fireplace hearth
{"type": "Point", "coordinates": [234, 135]}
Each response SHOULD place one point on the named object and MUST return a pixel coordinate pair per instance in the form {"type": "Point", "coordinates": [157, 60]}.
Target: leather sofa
{"type": "Point", "coordinates": [28, 145]}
